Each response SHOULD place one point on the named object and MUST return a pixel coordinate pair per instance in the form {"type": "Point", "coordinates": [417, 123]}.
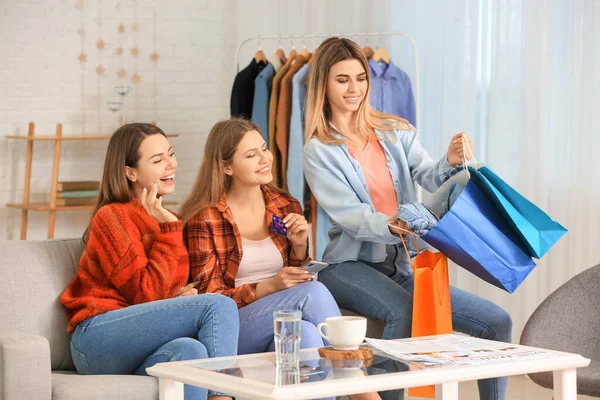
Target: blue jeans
{"type": "Point", "coordinates": [129, 340]}
{"type": "Point", "coordinates": [385, 291]}
{"type": "Point", "coordinates": [256, 319]}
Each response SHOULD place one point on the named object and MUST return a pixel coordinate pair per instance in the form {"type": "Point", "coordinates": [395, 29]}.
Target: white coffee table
{"type": "Point", "coordinates": [255, 376]}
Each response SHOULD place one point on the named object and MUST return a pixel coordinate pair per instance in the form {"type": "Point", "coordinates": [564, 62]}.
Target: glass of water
{"type": "Point", "coordinates": [287, 329]}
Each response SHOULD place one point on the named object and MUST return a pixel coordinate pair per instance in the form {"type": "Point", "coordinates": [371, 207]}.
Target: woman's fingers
{"type": "Point", "coordinates": [298, 226]}
{"type": "Point", "coordinates": [145, 199]}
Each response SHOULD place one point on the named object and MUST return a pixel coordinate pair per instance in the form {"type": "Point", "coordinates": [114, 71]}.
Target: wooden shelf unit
{"type": "Point", "coordinates": [50, 207]}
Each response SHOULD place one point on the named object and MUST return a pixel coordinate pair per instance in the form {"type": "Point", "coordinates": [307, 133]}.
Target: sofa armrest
{"type": "Point", "coordinates": [25, 369]}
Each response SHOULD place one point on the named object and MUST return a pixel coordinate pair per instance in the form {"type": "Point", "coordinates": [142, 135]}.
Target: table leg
{"type": "Point", "coordinates": [169, 389]}
{"type": "Point", "coordinates": [565, 384]}
{"type": "Point", "coordinates": [447, 391]}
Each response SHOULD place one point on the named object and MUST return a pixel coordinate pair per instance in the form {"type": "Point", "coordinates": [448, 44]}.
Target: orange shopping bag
{"type": "Point", "coordinates": [432, 312]}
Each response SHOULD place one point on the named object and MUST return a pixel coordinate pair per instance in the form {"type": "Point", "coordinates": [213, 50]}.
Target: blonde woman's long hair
{"type": "Point", "coordinates": [318, 111]}
{"type": "Point", "coordinates": [212, 181]}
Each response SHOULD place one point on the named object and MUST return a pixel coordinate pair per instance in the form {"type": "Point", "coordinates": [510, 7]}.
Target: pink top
{"type": "Point", "coordinates": [261, 260]}
{"type": "Point", "coordinates": [378, 176]}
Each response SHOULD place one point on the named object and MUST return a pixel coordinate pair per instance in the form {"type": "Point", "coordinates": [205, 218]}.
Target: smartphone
{"type": "Point", "coordinates": [314, 266]}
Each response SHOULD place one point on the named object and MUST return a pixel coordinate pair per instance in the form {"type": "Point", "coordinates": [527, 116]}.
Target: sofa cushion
{"type": "Point", "coordinates": [67, 385]}
{"type": "Point", "coordinates": [36, 273]}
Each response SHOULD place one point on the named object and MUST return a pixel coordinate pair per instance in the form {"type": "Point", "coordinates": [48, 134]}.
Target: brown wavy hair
{"type": "Point", "coordinates": [212, 181]}
{"type": "Point", "coordinates": [123, 151]}
{"type": "Point", "coordinates": [318, 111]}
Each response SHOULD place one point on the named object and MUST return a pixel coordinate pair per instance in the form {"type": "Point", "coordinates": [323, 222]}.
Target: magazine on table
{"type": "Point", "coordinates": [456, 349]}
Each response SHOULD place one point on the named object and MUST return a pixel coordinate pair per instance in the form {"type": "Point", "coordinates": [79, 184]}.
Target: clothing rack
{"type": "Point", "coordinates": [291, 38]}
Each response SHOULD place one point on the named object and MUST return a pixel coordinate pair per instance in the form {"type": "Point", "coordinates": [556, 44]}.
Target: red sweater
{"type": "Point", "coordinates": [129, 259]}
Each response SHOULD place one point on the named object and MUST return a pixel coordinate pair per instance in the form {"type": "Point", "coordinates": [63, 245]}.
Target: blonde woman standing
{"type": "Point", "coordinates": [361, 166]}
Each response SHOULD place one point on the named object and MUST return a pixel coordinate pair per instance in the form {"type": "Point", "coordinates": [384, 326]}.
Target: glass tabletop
{"type": "Point", "coordinates": [312, 368]}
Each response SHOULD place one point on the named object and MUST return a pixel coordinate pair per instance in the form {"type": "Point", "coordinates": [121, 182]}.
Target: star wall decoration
{"type": "Point", "coordinates": [100, 70]}
{"type": "Point", "coordinates": [122, 73]}
{"type": "Point", "coordinates": [82, 57]}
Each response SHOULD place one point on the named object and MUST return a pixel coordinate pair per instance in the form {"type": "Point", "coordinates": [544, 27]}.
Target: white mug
{"type": "Point", "coordinates": [344, 333]}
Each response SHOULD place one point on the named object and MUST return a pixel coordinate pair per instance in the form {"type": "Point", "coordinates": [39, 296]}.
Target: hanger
{"type": "Point", "coordinates": [381, 54]}
{"type": "Point", "coordinates": [260, 55]}
{"type": "Point", "coordinates": [293, 51]}
{"type": "Point", "coordinates": [304, 51]}
{"type": "Point", "coordinates": [280, 53]}
{"type": "Point", "coordinates": [368, 50]}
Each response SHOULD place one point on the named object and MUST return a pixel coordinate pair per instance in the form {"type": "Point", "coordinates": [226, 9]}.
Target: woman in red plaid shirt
{"type": "Point", "coordinates": [234, 251]}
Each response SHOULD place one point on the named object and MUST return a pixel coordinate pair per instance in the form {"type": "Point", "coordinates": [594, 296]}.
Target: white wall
{"type": "Point", "coordinates": [277, 18]}
{"type": "Point", "coordinates": [40, 78]}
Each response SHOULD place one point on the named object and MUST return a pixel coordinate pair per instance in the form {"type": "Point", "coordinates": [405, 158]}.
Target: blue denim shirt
{"type": "Point", "coordinates": [295, 173]}
{"type": "Point", "coordinates": [335, 178]}
{"type": "Point", "coordinates": [260, 104]}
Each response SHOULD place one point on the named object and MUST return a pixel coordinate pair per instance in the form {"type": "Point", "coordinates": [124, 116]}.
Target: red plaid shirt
{"type": "Point", "coordinates": [215, 246]}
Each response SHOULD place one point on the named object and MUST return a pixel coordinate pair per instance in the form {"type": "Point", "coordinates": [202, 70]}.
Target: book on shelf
{"type": "Point", "coordinates": [76, 201]}
{"type": "Point", "coordinates": [77, 194]}
{"type": "Point", "coordinates": [67, 186]}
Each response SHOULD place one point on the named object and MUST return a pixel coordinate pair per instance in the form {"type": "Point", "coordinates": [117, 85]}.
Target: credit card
{"type": "Point", "coordinates": [278, 226]}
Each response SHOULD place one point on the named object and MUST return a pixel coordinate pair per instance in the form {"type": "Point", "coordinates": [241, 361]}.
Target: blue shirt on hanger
{"type": "Point", "coordinates": [295, 173]}
{"type": "Point", "coordinates": [391, 90]}
{"type": "Point", "coordinates": [262, 96]}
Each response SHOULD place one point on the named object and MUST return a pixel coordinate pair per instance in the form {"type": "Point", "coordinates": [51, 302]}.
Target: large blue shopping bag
{"type": "Point", "coordinates": [531, 228]}
{"type": "Point", "coordinates": [478, 237]}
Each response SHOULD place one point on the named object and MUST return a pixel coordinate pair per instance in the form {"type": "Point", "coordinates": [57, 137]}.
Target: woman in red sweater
{"type": "Point", "coordinates": [128, 305]}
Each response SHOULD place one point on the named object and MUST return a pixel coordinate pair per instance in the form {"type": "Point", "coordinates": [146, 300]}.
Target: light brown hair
{"type": "Point", "coordinates": [318, 110]}
{"type": "Point", "coordinates": [212, 181]}
{"type": "Point", "coordinates": [123, 151]}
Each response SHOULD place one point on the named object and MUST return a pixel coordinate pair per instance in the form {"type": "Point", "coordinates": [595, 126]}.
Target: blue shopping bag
{"type": "Point", "coordinates": [477, 236]}
{"type": "Point", "coordinates": [531, 228]}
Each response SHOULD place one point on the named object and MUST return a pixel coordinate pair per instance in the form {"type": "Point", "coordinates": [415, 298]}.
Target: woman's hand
{"type": "Point", "coordinates": [289, 277]}
{"type": "Point", "coordinates": [397, 226]}
{"type": "Point", "coordinates": [153, 206]}
{"type": "Point", "coordinates": [286, 278]}
{"type": "Point", "coordinates": [188, 292]}
{"type": "Point", "coordinates": [457, 152]}
{"type": "Point", "coordinates": [297, 233]}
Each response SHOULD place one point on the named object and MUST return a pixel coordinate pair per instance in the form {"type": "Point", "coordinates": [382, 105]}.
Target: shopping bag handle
{"type": "Point", "coordinates": [465, 161]}
{"type": "Point", "coordinates": [406, 248]}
